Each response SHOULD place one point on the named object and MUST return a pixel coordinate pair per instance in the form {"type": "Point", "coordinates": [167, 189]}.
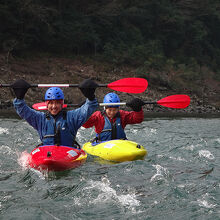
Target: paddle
{"type": "Point", "coordinates": [173, 101]}
{"type": "Point", "coordinates": [129, 85]}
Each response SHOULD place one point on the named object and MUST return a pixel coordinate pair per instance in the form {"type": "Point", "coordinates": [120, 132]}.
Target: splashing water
{"type": "Point", "coordinates": [179, 178]}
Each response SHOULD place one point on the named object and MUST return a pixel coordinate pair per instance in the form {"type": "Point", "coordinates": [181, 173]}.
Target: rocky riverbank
{"type": "Point", "coordinates": [204, 101]}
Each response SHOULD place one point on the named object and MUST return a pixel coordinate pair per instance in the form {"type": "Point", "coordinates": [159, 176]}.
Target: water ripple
{"type": "Point", "coordinates": [179, 179]}
{"type": "Point", "coordinates": [206, 154]}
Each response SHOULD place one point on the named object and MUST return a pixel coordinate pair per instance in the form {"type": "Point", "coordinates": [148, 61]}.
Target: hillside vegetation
{"type": "Point", "coordinates": [174, 44]}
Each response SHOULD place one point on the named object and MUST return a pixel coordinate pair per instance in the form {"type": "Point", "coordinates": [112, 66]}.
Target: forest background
{"type": "Point", "coordinates": [174, 44]}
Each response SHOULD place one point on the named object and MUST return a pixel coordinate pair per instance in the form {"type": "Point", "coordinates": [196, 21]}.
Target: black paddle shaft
{"type": "Point", "coordinates": [148, 102]}
{"type": "Point", "coordinates": [52, 85]}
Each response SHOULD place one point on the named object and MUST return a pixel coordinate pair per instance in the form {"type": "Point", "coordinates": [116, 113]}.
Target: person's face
{"type": "Point", "coordinates": [54, 106]}
{"type": "Point", "coordinates": [111, 112]}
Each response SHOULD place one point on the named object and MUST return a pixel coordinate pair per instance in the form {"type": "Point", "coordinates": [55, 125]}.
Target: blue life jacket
{"type": "Point", "coordinates": [56, 131]}
{"type": "Point", "coordinates": [112, 131]}
{"type": "Point", "coordinates": [61, 129]}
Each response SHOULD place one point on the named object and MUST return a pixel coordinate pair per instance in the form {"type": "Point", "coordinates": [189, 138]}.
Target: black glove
{"type": "Point", "coordinates": [135, 104]}
{"type": "Point", "coordinates": [20, 87]}
{"type": "Point", "coordinates": [88, 88]}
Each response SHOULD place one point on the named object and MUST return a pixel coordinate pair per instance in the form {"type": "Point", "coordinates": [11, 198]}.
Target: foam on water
{"type": "Point", "coordinates": [204, 201]}
{"type": "Point", "coordinates": [205, 204]}
{"type": "Point", "coordinates": [193, 146]}
{"type": "Point", "coordinates": [162, 186]}
{"type": "Point", "coordinates": [207, 154]}
{"type": "Point", "coordinates": [4, 199]}
{"type": "Point", "coordinates": [107, 193]}
{"type": "Point", "coordinates": [178, 159]}
{"type": "Point", "coordinates": [190, 147]}
{"type": "Point", "coordinates": [149, 132]}
{"type": "Point", "coordinates": [4, 149]}
{"type": "Point", "coordinates": [134, 131]}
{"type": "Point", "coordinates": [161, 173]}
{"type": "Point", "coordinates": [153, 131]}
{"type": "Point", "coordinates": [23, 159]}
{"type": "Point", "coordinates": [217, 140]}
{"type": "Point", "coordinates": [4, 131]}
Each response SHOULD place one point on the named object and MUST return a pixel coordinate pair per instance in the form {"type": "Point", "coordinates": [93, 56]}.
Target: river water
{"type": "Point", "coordinates": [179, 179]}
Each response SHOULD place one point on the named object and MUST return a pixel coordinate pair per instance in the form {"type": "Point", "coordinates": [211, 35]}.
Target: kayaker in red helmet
{"type": "Point", "coordinates": [57, 126]}
{"type": "Point", "coordinates": [110, 123]}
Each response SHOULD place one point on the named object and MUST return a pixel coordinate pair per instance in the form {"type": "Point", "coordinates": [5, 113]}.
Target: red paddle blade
{"type": "Point", "coordinates": [129, 85]}
{"type": "Point", "coordinates": [175, 101]}
{"type": "Point", "coordinates": [43, 106]}
{"type": "Point", "coordinates": [40, 106]}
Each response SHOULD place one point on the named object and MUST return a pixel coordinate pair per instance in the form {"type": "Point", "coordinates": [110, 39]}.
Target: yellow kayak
{"type": "Point", "coordinates": [116, 150]}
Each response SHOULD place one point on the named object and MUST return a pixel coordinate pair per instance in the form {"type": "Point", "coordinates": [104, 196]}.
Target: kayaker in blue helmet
{"type": "Point", "coordinates": [54, 99]}
{"type": "Point", "coordinates": [57, 126]}
{"type": "Point", "coordinates": [110, 123]}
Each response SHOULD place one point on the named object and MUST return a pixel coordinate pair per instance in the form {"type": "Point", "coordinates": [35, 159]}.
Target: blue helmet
{"type": "Point", "coordinates": [111, 98]}
{"type": "Point", "coordinates": [54, 93]}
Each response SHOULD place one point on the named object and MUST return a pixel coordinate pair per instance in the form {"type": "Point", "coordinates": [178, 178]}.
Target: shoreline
{"type": "Point", "coordinates": [204, 95]}
{"type": "Point", "coordinates": [181, 115]}
{"type": "Point", "coordinates": [10, 113]}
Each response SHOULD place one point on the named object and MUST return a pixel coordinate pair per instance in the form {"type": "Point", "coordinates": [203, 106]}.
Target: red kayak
{"type": "Point", "coordinates": [56, 158]}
